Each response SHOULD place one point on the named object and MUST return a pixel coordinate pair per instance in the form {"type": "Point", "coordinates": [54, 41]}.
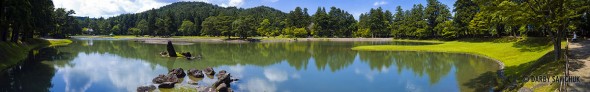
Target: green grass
{"type": "Point", "coordinates": [59, 42]}
{"type": "Point", "coordinates": [521, 57]}
{"type": "Point", "coordinates": [509, 52]}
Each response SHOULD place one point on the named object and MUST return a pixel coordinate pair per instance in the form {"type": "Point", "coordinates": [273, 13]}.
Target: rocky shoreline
{"type": "Point", "coordinates": [176, 76]}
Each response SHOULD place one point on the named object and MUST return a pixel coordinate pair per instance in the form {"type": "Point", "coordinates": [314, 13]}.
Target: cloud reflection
{"type": "Point", "coordinates": [258, 85]}
{"type": "Point", "coordinates": [275, 75]}
{"type": "Point", "coordinates": [105, 69]}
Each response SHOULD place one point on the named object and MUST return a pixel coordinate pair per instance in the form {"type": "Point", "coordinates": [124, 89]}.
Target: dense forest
{"type": "Point", "coordinates": [472, 18]}
{"type": "Point", "coordinates": [23, 19]}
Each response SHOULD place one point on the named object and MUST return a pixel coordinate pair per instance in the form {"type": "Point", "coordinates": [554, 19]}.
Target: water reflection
{"type": "Point", "coordinates": [111, 73]}
{"type": "Point", "coordinates": [119, 65]}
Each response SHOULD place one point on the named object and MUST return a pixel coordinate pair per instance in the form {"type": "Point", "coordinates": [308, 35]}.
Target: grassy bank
{"type": "Point", "coordinates": [12, 53]}
{"type": "Point", "coordinates": [59, 42]}
{"type": "Point", "coordinates": [509, 51]}
{"type": "Point", "coordinates": [521, 57]}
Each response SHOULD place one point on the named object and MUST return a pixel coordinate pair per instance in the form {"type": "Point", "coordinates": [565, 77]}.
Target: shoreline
{"type": "Point", "coordinates": [191, 40]}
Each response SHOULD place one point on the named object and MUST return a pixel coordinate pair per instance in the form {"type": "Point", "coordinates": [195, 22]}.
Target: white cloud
{"type": "Point", "coordinates": [379, 3]}
{"type": "Point", "coordinates": [275, 75]}
{"type": "Point", "coordinates": [258, 85]}
{"type": "Point", "coordinates": [109, 8]}
{"type": "Point", "coordinates": [106, 8]}
{"type": "Point", "coordinates": [236, 3]}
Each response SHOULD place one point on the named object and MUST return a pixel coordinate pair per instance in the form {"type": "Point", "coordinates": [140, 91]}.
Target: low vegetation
{"type": "Point", "coordinates": [59, 42]}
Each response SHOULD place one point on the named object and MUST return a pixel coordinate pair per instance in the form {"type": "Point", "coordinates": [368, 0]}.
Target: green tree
{"type": "Point", "coordinates": [217, 26]}
{"type": "Point", "coordinates": [142, 26]}
{"type": "Point", "coordinates": [135, 31]}
{"type": "Point", "coordinates": [243, 27]}
{"type": "Point", "coordinates": [298, 18]}
{"type": "Point", "coordinates": [340, 23]}
{"type": "Point", "coordinates": [465, 10]}
{"type": "Point", "coordinates": [436, 13]}
{"type": "Point", "coordinates": [64, 23]}
{"type": "Point", "coordinates": [163, 25]}
{"type": "Point", "coordinates": [116, 29]}
{"type": "Point", "coordinates": [187, 28]}
{"type": "Point", "coordinates": [43, 19]}
{"type": "Point", "coordinates": [555, 15]}
{"type": "Point", "coordinates": [397, 24]}
{"type": "Point", "coordinates": [19, 16]}
{"type": "Point", "coordinates": [448, 31]}
{"type": "Point", "coordinates": [152, 19]}
{"type": "Point", "coordinates": [320, 24]}
{"type": "Point", "coordinates": [265, 28]}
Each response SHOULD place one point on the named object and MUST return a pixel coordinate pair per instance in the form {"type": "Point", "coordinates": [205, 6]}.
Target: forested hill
{"type": "Point", "coordinates": [478, 18]}
{"type": "Point", "coordinates": [172, 17]}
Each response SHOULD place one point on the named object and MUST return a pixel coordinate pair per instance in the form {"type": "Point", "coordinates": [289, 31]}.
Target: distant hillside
{"type": "Point", "coordinates": [195, 12]}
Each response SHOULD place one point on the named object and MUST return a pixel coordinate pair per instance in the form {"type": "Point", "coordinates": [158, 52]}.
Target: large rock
{"type": "Point", "coordinates": [187, 54]}
{"type": "Point", "coordinates": [221, 74]}
{"type": "Point", "coordinates": [171, 51]}
{"type": "Point", "coordinates": [166, 85]}
{"type": "Point", "coordinates": [165, 78]}
{"type": "Point", "coordinates": [146, 88]}
{"type": "Point", "coordinates": [178, 72]}
{"type": "Point", "coordinates": [225, 78]}
{"type": "Point", "coordinates": [209, 71]}
{"type": "Point", "coordinates": [196, 73]}
{"type": "Point", "coordinates": [222, 88]}
{"type": "Point", "coordinates": [164, 54]}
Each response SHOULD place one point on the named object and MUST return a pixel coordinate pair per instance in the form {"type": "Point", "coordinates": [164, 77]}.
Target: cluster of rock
{"type": "Point", "coordinates": [170, 79]}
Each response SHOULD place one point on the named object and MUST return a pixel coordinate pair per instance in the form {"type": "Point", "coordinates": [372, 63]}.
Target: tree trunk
{"type": "Point", "coordinates": [15, 33]}
{"type": "Point", "coordinates": [557, 44]}
{"type": "Point", "coordinates": [3, 32]}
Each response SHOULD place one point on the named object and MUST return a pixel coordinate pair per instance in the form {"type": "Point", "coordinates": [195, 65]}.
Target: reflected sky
{"type": "Point", "coordinates": [93, 72]}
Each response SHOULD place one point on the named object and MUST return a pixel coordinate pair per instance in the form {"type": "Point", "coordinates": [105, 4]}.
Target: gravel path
{"type": "Point", "coordinates": [579, 58]}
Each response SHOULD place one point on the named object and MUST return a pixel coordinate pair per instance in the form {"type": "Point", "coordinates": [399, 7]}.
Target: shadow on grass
{"type": "Point", "coordinates": [533, 44]}
{"type": "Point", "coordinates": [489, 39]}
{"type": "Point", "coordinates": [413, 43]}
{"type": "Point", "coordinates": [514, 77]}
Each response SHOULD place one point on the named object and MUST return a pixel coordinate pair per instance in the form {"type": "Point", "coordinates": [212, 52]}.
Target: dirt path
{"type": "Point", "coordinates": [579, 58]}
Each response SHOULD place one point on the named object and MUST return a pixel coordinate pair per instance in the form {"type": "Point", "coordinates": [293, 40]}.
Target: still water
{"type": "Point", "coordinates": [120, 65]}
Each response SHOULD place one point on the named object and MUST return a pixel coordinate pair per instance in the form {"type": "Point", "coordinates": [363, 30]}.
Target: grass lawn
{"type": "Point", "coordinates": [509, 51]}
{"type": "Point", "coordinates": [59, 42]}
{"type": "Point", "coordinates": [521, 57]}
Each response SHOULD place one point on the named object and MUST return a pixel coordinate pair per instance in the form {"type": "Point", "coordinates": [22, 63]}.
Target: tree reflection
{"type": "Point", "coordinates": [31, 75]}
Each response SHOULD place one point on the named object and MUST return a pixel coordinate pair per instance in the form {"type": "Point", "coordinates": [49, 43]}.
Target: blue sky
{"type": "Point", "coordinates": [109, 8]}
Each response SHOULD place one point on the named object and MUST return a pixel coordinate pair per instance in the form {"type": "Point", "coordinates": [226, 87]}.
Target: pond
{"type": "Point", "coordinates": [122, 65]}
